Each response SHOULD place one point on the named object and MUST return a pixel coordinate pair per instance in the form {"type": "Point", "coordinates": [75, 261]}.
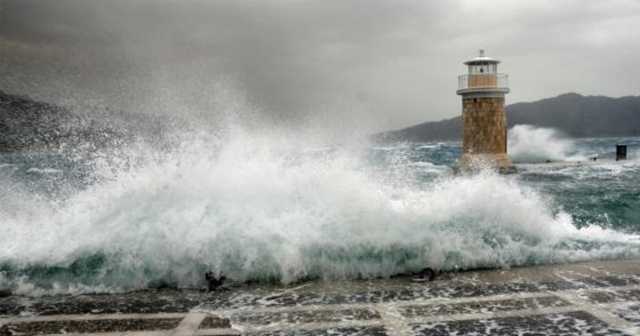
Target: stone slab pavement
{"type": "Point", "coordinates": [594, 298]}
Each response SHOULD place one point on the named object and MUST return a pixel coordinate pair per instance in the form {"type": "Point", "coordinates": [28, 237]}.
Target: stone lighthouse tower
{"type": "Point", "coordinates": [484, 125]}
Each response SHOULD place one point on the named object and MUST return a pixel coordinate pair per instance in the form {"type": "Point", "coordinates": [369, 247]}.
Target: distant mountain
{"type": "Point", "coordinates": [574, 114]}
{"type": "Point", "coordinates": [28, 125]}
{"type": "Point", "coordinates": [33, 126]}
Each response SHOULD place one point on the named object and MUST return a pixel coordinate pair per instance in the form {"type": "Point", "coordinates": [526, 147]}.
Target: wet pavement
{"type": "Point", "coordinates": [595, 298]}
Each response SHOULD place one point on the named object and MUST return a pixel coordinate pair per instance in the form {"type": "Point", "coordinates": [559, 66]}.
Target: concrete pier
{"type": "Point", "coordinates": [594, 298]}
{"type": "Point", "coordinates": [553, 166]}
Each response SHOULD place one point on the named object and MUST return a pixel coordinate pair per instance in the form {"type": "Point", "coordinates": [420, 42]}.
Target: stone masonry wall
{"type": "Point", "coordinates": [484, 130]}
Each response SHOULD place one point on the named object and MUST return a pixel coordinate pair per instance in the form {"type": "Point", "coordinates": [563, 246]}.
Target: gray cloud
{"type": "Point", "coordinates": [394, 63]}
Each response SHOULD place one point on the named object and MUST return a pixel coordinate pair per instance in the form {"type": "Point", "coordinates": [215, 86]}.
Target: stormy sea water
{"type": "Point", "coordinates": [278, 207]}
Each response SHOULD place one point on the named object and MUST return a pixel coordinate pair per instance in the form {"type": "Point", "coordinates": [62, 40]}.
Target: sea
{"type": "Point", "coordinates": [277, 207]}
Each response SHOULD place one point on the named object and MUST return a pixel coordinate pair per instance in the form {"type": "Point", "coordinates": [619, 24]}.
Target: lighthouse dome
{"type": "Point", "coordinates": [482, 59]}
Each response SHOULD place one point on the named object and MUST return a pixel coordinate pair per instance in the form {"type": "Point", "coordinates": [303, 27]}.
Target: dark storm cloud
{"type": "Point", "coordinates": [394, 62]}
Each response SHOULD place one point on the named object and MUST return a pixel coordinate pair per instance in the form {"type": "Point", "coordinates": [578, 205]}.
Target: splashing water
{"type": "Point", "coordinates": [528, 144]}
{"type": "Point", "coordinates": [273, 206]}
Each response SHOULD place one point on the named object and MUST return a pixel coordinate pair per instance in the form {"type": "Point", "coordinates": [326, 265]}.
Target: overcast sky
{"type": "Point", "coordinates": [393, 62]}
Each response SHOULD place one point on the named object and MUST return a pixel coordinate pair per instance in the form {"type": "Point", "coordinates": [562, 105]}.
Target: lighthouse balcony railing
{"type": "Point", "coordinates": [472, 82]}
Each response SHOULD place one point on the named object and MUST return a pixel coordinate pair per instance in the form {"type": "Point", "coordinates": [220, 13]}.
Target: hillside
{"type": "Point", "coordinates": [28, 125]}
{"type": "Point", "coordinates": [33, 126]}
{"type": "Point", "coordinates": [571, 113]}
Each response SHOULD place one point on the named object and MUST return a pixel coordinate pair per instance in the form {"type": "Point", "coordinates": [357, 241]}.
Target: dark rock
{"type": "Point", "coordinates": [214, 281]}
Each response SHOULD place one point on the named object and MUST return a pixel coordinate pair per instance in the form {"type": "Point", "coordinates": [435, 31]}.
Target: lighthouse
{"type": "Point", "coordinates": [484, 124]}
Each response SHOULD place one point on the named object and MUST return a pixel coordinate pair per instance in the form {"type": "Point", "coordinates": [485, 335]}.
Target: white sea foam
{"type": "Point", "coordinates": [44, 171]}
{"type": "Point", "coordinates": [529, 144]}
{"type": "Point", "coordinates": [428, 146]}
{"type": "Point", "coordinates": [262, 204]}
{"type": "Point", "coordinates": [252, 206]}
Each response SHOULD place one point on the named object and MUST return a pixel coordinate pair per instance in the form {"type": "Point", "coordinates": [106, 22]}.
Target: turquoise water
{"type": "Point", "coordinates": [269, 207]}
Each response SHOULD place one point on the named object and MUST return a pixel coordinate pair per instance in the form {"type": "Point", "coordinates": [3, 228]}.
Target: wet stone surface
{"type": "Point", "coordinates": [215, 322]}
{"type": "Point", "coordinates": [567, 324]}
{"type": "Point", "coordinates": [352, 331]}
{"type": "Point", "coordinates": [413, 292]}
{"type": "Point", "coordinates": [629, 313]}
{"type": "Point", "coordinates": [84, 326]}
{"type": "Point", "coordinates": [297, 317]}
{"type": "Point", "coordinates": [144, 302]}
{"type": "Point", "coordinates": [481, 306]}
{"type": "Point", "coordinates": [555, 286]}
{"type": "Point", "coordinates": [181, 301]}
{"type": "Point", "coordinates": [611, 296]}
{"type": "Point", "coordinates": [609, 281]}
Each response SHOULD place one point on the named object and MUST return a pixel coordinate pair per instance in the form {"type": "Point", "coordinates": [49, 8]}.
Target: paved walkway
{"type": "Point", "coordinates": [598, 298]}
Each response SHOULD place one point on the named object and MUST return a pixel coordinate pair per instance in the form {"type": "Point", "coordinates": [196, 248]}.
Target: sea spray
{"type": "Point", "coordinates": [529, 144]}
{"type": "Point", "coordinates": [269, 206]}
